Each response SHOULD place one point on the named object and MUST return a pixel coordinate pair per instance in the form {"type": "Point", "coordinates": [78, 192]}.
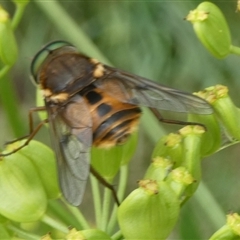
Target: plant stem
{"type": "Point", "coordinates": [117, 235]}
{"type": "Point", "coordinates": [17, 15]}
{"type": "Point", "coordinates": [235, 50]}
{"type": "Point", "coordinates": [55, 224]}
{"type": "Point", "coordinates": [63, 214]}
{"type": "Point", "coordinates": [121, 191]}
{"type": "Point", "coordinates": [6, 89]}
{"type": "Point", "coordinates": [22, 234]}
{"type": "Point", "coordinates": [106, 207]}
{"type": "Point", "coordinates": [14, 23]}
{"type": "Point", "coordinates": [123, 181]}
{"type": "Point", "coordinates": [78, 215]}
{"type": "Point", "coordinates": [96, 200]}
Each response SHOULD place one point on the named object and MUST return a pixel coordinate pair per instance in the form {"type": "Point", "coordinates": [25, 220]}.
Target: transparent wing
{"type": "Point", "coordinates": [72, 147]}
{"type": "Point", "coordinates": [141, 91]}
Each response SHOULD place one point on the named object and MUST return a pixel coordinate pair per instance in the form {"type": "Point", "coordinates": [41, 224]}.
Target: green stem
{"type": "Point", "coordinates": [22, 234]}
{"type": "Point", "coordinates": [118, 235]}
{"type": "Point", "coordinates": [78, 215]}
{"type": "Point", "coordinates": [235, 50]}
{"type": "Point", "coordinates": [113, 220]}
{"type": "Point", "coordinates": [14, 23]}
{"type": "Point", "coordinates": [123, 181]}
{"type": "Point", "coordinates": [106, 208]}
{"type": "Point", "coordinates": [121, 191]}
{"type": "Point", "coordinates": [96, 200]}
{"type": "Point", "coordinates": [6, 90]}
{"type": "Point", "coordinates": [17, 15]}
{"type": "Point", "coordinates": [63, 214]}
{"type": "Point", "coordinates": [54, 224]}
{"type": "Point", "coordinates": [69, 28]}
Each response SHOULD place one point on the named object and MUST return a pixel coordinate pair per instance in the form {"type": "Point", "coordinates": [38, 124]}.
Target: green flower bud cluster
{"type": "Point", "coordinates": [151, 211]}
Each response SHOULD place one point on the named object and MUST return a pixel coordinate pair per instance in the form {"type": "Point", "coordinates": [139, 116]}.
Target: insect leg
{"type": "Point", "coordinates": [32, 131]}
{"type": "Point", "coordinates": [105, 183]}
{"type": "Point", "coordinates": [171, 121]}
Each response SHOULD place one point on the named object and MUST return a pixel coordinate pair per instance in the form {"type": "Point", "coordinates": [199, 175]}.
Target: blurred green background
{"type": "Point", "coordinates": [148, 38]}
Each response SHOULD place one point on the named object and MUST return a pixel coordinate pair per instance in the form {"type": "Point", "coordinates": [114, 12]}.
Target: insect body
{"type": "Point", "coordinates": [89, 103]}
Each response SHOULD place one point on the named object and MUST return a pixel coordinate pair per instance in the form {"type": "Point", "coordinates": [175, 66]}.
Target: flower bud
{"type": "Point", "coordinates": [8, 44]}
{"type": "Point", "coordinates": [233, 221]}
{"type": "Point", "coordinates": [169, 147]}
{"type": "Point", "coordinates": [238, 6]}
{"type": "Point", "coordinates": [212, 137]}
{"type": "Point", "coordinates": [44, 161]}
{"type": "Point", "coordinates": [230, 231]}
{"type": "Point", "coordinates": [179, 179]}
{"type": "Point", "coordinates": [158, 169]}
{"type": "Point", "coordinates": [211, 141]}
{"type": "Point", "coordinates": [226, 111]}
{"type": "Point", "coordinates": [23, 196]}
{"type": "Point", "coordinates": [149, 212]}
{"type": "Point", "coordinates": [108, 161]}
{"type": "Point", "coordinates": [192, 141]}
{"type": "Point", "coordinates": [211, 28]}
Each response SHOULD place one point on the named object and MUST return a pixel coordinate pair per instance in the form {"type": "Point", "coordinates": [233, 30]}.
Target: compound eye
{"type": "Point", "coordinates": [42, 54]}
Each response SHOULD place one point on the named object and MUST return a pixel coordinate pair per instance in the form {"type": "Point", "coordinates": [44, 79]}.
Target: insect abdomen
{"type": "Point", "coordinates": [113, 120]}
